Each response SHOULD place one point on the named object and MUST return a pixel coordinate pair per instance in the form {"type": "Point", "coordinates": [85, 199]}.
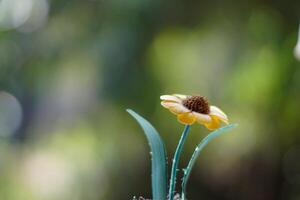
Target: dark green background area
{"type": "Point", "coordinates": [76, 74]}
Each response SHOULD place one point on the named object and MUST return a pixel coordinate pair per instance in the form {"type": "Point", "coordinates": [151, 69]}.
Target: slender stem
{"type": "Point", "coordinates": [201, 145]}
{"type": "Point", "coordinates": [176, 160]}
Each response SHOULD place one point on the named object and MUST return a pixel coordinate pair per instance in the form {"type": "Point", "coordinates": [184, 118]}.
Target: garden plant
{"type": "Point", "coordinates": [188, 109]}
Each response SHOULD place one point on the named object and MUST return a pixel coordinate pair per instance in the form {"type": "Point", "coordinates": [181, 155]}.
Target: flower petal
{"type": "Point", "coordinates": [170, 98]}
{"type": "Point", "coordinates": [178, 109]}
{"type": "Point", "coordinates": [215, 111]}
{"type": "Point", "coordinates": [169, 104]}
{"type": "Point", "coordinates": [186, 118]}
{"type": "Point", "coordinates": [202, 118]}
{"type": "Point", "coordinates": [174, 107]}
{"type": "Point", "coordinates": [180, 96]}
{"type": "Point", "coordinates": [215, 123]}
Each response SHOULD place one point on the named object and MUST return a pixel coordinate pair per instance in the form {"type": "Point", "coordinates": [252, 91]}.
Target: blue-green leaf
{"type": "Point", "coordinates": [159, 168]}
{"type": "Point", "coordinates": [196, 153]}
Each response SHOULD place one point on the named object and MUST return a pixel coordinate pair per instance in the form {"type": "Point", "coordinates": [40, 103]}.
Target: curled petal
{"type": "Point", "coordinates": [170, 98]}
{"type": "Point", "coordinates": [217, 112]}
{"type": "Point", "coordinates": [180, 96]}
{"type": "Point", "coordinates": [174, 107]}
{"type": "Point", "coordinates": [169, 104]}
{"type": "Point", "coordinates": [178, 109]}
{"type": "Point", "coordinates": [186, 118]}
{"type": "Point", "coordinates": [215, 123]}
{"type": "Point", "coordinates": [202, 118]}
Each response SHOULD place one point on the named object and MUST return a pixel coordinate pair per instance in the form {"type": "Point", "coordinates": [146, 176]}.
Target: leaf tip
{"type": "Point", "coordinates": [130, 111]}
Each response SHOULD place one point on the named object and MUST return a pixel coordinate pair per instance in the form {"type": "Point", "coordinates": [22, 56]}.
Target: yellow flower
{"type": "Point", "coordinates": [191, 109]}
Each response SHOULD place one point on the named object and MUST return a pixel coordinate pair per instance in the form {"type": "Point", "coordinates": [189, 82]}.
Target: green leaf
{"type": "Point", "coordinates": [201, 145]}
{"type": "Point", "coordinates": [159, 163]}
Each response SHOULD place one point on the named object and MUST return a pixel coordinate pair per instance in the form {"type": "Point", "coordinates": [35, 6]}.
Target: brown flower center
{"type": "Point", "coordinates": [197, 103]}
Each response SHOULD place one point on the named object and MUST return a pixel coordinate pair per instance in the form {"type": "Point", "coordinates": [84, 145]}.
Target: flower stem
{"type": "Point", "coordinates": [201, 145]}
{"type": "Point", "coordinates": [176, 160]}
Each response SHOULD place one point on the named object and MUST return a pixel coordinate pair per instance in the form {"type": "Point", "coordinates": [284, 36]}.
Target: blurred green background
{"type": "Point", "coordinates": [69, 69]}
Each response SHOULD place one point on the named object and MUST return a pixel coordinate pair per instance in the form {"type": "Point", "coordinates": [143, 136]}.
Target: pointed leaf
{"type": "Point", "coordinates": [159, 168]}
{"type": "Point", "coordinates": [197, 151]}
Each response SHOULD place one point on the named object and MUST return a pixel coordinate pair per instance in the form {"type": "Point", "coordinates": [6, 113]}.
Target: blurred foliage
{"type": "Point", "coordinates": [69, 69]}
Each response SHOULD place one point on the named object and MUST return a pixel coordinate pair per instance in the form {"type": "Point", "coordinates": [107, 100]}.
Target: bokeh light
{"type": "Point", "coordinates": [10, 115]}
{"type": "Point", "coordinates": [26, 15]}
